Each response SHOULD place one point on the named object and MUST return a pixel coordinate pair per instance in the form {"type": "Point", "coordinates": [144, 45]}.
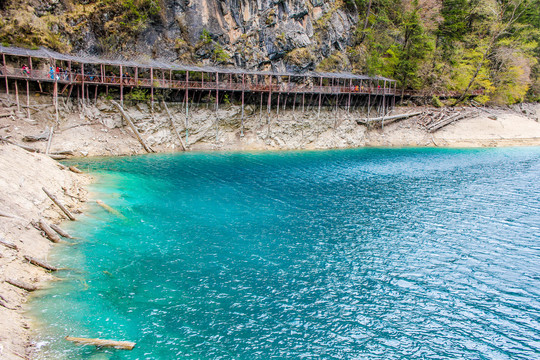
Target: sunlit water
{"type": "Point", "coordinates": [351, 254]}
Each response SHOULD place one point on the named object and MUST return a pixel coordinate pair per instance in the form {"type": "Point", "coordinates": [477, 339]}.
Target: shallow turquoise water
{"type": "Point", "coordinates": [350, 254]}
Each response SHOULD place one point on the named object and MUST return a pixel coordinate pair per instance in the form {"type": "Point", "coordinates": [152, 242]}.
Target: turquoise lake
{"type": "Point", "coordinates": [346, 254]}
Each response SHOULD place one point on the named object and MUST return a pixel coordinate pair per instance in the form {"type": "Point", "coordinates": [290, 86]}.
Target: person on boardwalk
{"type": "Point", "coordinates": [25, 71]}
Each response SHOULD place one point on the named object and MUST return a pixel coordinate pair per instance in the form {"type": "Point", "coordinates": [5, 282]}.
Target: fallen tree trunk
{"type": "Point", "coordinates": [48, 231]}
{"type": "Point", "coordinates": [123, 345]}
{"type": "Point", "coordinates": [61, 231]}
{"type": "Point", "coordinates": [21, 284]}
{"type": "Point", "coordinates": [59, 204]}
{"type": "Point", "coordinates": [132, 126]}
{"type": "Point", "coordinates": [75, 170]}
{"type": "Point", "coordinates": [27, 148]}
{"type": "Point", "coordinates": [40, 263]}
{"type": "Point", "coordinates": [444, 122]}
{"type": "Point", "coordinates": [384, 118]}
{"type": "Point", "coordinates": [8, 244]}
{"type": "Point", "coordinates": [109, 209]}
{"type": "Point", "coordinates": [174, 127]}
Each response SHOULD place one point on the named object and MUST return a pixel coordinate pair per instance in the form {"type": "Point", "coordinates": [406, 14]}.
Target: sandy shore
{"type": "Point", "coordinates": [94, 130]}
{"type": "Point", "coordinates": [22, 204]}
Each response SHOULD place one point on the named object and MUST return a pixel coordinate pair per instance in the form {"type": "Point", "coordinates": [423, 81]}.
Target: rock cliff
{"type": "Point", "coordinates": [264, 34]}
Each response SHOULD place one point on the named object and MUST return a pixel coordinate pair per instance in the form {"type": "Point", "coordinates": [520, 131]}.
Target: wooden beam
{"type": "Point", "coordinates": [59, 204]}
{"type": "Point", "coordinates": [132, 126]}
{"type": "Point", "coordinates": [5, 73]}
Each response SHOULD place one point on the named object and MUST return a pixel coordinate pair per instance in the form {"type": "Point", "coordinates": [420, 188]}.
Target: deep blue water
{"type": "Point", "coordinates": [349, 254]}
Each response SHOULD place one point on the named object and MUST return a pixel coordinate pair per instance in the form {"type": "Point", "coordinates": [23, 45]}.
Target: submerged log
{"type": "Point", "coordinates": [61, 231]}
{"type": "Point", "coordinates": [132, 126]}
{"type": "Point", "coordinates": [48, 231]}
{"type": "Point", "coordinates": [40, 263]}
{"type": "Point", "coordinates": [59, 204]}
{"type": "Point", "coordinates": [109, 209]}
{"type": "Point", "coordinates": [385, 118]}
{"type": "Point", "coordinates": [123, 345]}
{"type": "Point", "coordinates": [21, 284]}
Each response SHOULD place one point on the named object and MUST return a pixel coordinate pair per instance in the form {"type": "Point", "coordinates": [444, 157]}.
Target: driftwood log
{"type": "Point", "coordinates": [58, 157]}
{"type": "Point", "coordinates": [27, 148]}
{"type": "Point", "coordinates": [132, 126]}
{"type": "Point", "coordinates": [123, 345]}
{"type": "Point", "coordinates": [48, 231]}
{"type": "Point", "coordinates": [174, 127]}
{"type": "Point", "coordinates": [59, 204]}
{"type": "Point", "coordinates": [447, 121]}
{"type": "Point", "coordinates": [385, 118]}
{"type": "Point", "coordinates": [21, 284]}
{"type": "Point", "coordinates": [40, 263]}
{"type": "Point", "coordinates": [75, 169]}
{"type": "Point", "coordinates": [61, 231]}
{"type": "Point", "coordinates": [109, 209]}
{"type": "Point", "coordinates": [8, 244]}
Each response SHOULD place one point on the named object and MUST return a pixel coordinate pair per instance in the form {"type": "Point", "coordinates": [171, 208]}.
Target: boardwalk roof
{"type": "Point", "coordinates": [153, 63]}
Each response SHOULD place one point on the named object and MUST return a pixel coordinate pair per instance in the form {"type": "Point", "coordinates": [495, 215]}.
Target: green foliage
{"type": "Point", "coordinates": [138, 94]}
{"type": "Point", "coordinates": [435, 101]}
{"type": "Point", "coordinates": [205, 37]}
{"type": "Point", "coordinates": [219, 55]}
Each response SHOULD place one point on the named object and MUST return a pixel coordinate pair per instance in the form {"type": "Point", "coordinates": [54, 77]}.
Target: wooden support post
{"type": "Point", "coordinates": [152, 87]}
{"type": "Point", "coordinates": [17, 96]}
{"type": "Point", "coordinates": [5, 73]}
{"type": "Point", "coordinates": [121, 85]}
{"type": "Point", "coordinates": [369, 99]}
{"type": "Point", "coordinates": [349, 100]}
{"type": "Point", "coordinates": [59, 204]}
{"type": "Point", "coordinates": [27, 99]}
{"type": "Point", "coordinates": [277, 111]}
{"type": "Point", "coordinates": [128, 119]}
{"type": "Point", "coordinates": [56, 100]}
{"type": "Point", "coordinates": [268, 108]}
{"type": "Point", "coordinates": [320, 98]}
{"type": "Point", "coordinates": [260, 108]}
{"type": "Point", "coordinates": [303, 101]}
{"type": "Point", "coordinates": [95, 94]}
{"type": "Point", "coordinates": [82, 79]}
{"type": "Point", "coordinates": [136, 76]}
{"type": "Point", "coordinates": [187, 108]}
{"type": "Point", "coordinates": [294, 103]}
{"type": "Point", "coordinates": [217, 100]}
{"type": "Point", "coordinates": [242, 120]}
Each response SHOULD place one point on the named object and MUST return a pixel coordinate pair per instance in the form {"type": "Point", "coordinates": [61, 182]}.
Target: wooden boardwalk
{"type": "Point", "coordinates": [17, 64]}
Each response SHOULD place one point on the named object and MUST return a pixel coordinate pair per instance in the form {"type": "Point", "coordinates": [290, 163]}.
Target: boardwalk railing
{"type": "Point", "coordinates": [67, 77]}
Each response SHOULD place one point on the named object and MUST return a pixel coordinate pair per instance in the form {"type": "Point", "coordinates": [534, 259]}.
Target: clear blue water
{"type": "Point", "coordinates": [350, 254]}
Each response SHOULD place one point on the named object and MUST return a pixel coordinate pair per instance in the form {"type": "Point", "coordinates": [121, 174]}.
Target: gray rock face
{"type": "Point", "coordinates": [258, 34]}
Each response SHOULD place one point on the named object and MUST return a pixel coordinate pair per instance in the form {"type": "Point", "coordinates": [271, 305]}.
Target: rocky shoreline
{"type": "Point", "coordinates": [99, 130]}
{"type": "Point", "coordinates": [23, 204]}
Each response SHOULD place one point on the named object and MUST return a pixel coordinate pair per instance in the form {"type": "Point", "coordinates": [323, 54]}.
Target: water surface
{"type": "Point", "coordinates": [349, 254]}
